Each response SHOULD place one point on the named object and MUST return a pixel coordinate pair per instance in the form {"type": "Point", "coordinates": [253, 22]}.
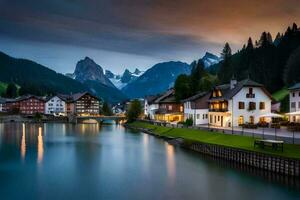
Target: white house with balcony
{"type": "Point", "coordinates": [238, 103]}
{"type": "Point", "coordinates": [196, 108]}
{"type": "Point", "coordinates": [294, 96]}
{"type": "Point", "coordinates": [55, 106]}
{"type": "Point", "coordinates": [150, 107]}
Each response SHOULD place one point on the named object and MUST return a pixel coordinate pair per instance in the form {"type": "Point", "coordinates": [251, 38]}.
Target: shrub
{"type": "Point", "coordinates": [189, 122]}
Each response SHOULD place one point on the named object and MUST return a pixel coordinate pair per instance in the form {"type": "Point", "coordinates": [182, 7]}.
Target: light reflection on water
{"type": "Point", "coordinates": [90, 161]}
{"type": "Point", "coordinates": [40, 146]}
{"type": "Point", "coordinates": [171, 167]}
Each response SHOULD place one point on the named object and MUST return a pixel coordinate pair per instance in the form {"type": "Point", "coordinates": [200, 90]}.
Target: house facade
{"type": "Point", "coordinates": [238, 103]}
{"type": "Point", "coordinates": [294, 97]}
{"type": "Point", "coordinates": [196, 108]}
{"type": "Point", "coordinates": [27, 104]}
{"type": "Point", "coordinates": [168, 109]}
{"type": "Point", "coordinates": [150, 107]}
{"type": "Point", "coordinates": [84, 104]}
{"type": "Point", "coordinates": [2, 104]}
{"type": "Point", "coordinates": [55, 106]}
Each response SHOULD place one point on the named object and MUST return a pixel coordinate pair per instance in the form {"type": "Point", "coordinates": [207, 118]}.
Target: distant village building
{"type": "Point", "coordinates": [196, 108]}
{"type": "Point", "coordinates": [83, 104]}
{"type": "Point", "coordinates": [55, 106]}
{"type": "Point", "coordinates": [2, 104]}
{"type": "Point", "coordinates": [294, 96]}
{"type": "Point", "coordinates": [27, 104]}
{"type": "Point", "coordinates": [168, 109]}
{"type": "Point", "coordinates": [238, 103]}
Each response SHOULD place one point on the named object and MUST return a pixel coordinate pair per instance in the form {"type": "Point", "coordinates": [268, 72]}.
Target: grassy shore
{"type": "Point", "coordinates": [235, 141]}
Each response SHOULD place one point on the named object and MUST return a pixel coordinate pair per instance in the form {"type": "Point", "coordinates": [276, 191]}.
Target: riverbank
{"type": "Point", "coordinates": [231, 147]}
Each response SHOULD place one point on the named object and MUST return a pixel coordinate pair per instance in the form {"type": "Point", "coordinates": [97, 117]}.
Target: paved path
{"type": "Point", "coordinates": [266, 133]}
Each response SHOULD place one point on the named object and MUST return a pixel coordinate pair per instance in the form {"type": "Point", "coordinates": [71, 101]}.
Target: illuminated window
{"type": "Point", "coordinates": [241, 120]}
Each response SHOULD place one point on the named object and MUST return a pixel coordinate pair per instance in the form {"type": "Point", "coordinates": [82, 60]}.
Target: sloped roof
{"type": "Point", "coordinates": [295, 87]}
{"type": "Point", "coordinates": [150, 99]}
{"type": "Point", "coordinates": [228, 93]}
{"type": "Point", "coordinates": [28, 96]}
{"type": "Point", "coordinates": [167, 97]}
{"type": "Point", "coordinates": [195, 97]}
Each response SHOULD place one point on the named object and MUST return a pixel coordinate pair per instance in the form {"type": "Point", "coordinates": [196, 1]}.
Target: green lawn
{"type": "Point", "coordinates": [235, 141]}
{"type": "Point", "coordinates": [280, 94]}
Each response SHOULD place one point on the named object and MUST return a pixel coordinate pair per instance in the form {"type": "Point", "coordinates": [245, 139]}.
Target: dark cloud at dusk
{"type": "Point", "coordinates": [134, 33]}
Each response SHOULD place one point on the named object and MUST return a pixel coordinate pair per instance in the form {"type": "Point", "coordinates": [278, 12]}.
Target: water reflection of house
{"type": "Point", "coordinates": [169, 110]}
{"type": "Point", "coordinates": [238, 103]}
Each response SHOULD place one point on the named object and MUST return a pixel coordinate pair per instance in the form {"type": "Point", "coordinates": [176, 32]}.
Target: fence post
{"type": "Point", "coordinates": [293, 137]}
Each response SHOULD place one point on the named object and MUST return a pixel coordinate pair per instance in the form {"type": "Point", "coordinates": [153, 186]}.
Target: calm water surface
{"type": "Point", "coordinates": [63, 161]}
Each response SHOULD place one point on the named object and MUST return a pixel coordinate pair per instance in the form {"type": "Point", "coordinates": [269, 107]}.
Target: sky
{"type": "Point", "coordinates": [121, 34]}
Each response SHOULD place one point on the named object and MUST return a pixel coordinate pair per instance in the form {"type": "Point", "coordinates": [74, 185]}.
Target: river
{"type": "Point", "coordinates": [89, 161]}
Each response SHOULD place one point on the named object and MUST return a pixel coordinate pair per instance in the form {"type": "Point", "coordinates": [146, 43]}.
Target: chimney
{"type": "Point", "coordinates": [233, 83]}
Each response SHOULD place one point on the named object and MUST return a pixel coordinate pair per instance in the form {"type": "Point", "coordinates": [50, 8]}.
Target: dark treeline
{"type": "Point", "coordinates": [274, 63]}
{"type": "Point", "coordinates": [199, 80]}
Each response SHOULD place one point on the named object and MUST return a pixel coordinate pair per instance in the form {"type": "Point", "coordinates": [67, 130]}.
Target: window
{"type": "Point", "coordinates": [252, 105]}
{"type": "Point", "coordinates": [241, 105]}
{"type": "Point", "coordinates": [250, 90]}
{"type": "Point", "coordinates": [298, 104]}
{"type": "Point", "coordinates": [251, 120]}
{"type": "Point", "coordinates": [241, 120]}
{"type": "Point", "coordinates": [218, 118]}
{"type": "Point", "coordinates": [198, 116]}
{"type": "Point", "coordinates": [293, 104]}
{"type": "Point", "coordinates": [293, 94]}
{"type": "Point", "coordinates": [262, 105]}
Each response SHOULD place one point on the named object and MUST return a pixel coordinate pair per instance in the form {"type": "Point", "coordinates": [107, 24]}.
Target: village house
{"type": "Point", "coordinates": [169, 110]}
{"type": "Point", "coordinates": [196, 108]}
{"type": "Point", "coordinates": [27, 104]}
{"type": "Point", "coordinates": [238, 103]}
{"type": "Point", "coordinates": [2, 104]}
{"type": "Point", "coordinates": [150, 107]}
{"type": "Point", "coordinates": [82, 104]}
{"type": "Point", "coordinates": [294, 96]}
{"type": "Point", "coordinates": [55, 105]}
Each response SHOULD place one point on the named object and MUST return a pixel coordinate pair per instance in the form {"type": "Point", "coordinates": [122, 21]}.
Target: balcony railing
{"type": "Point", "coordinates": [250, 95]}
{"type": "Point", "coordinates": [218, 110]}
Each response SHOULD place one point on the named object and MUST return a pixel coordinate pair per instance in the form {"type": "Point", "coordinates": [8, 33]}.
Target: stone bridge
{"type": "Point", "coordinates": [99, 119]}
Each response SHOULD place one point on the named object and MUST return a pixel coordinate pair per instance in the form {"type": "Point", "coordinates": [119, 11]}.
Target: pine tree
{"type": "Point", "coordinates": [265, 40]}
{"type": "Point", "coordinates": [225, 71]}
{"type": "Point", "coordinates": [106, 110]}
{"type": "Point", "coordinates": [226, 53]}
{"type": "Point", "coordinates": [11, 91]}
{"type": "Point", "coordinates": [250, 44]}
{"type": "Point", "coordinates": [294, 28]}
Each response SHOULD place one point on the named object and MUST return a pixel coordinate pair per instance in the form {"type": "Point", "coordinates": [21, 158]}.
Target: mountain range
{"type": "Point", "coordinates": [157, 79]}
{"type": "Point", "coordinates": [89, 76]}
{"type": "Point", "coordinates": [121, 81]}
